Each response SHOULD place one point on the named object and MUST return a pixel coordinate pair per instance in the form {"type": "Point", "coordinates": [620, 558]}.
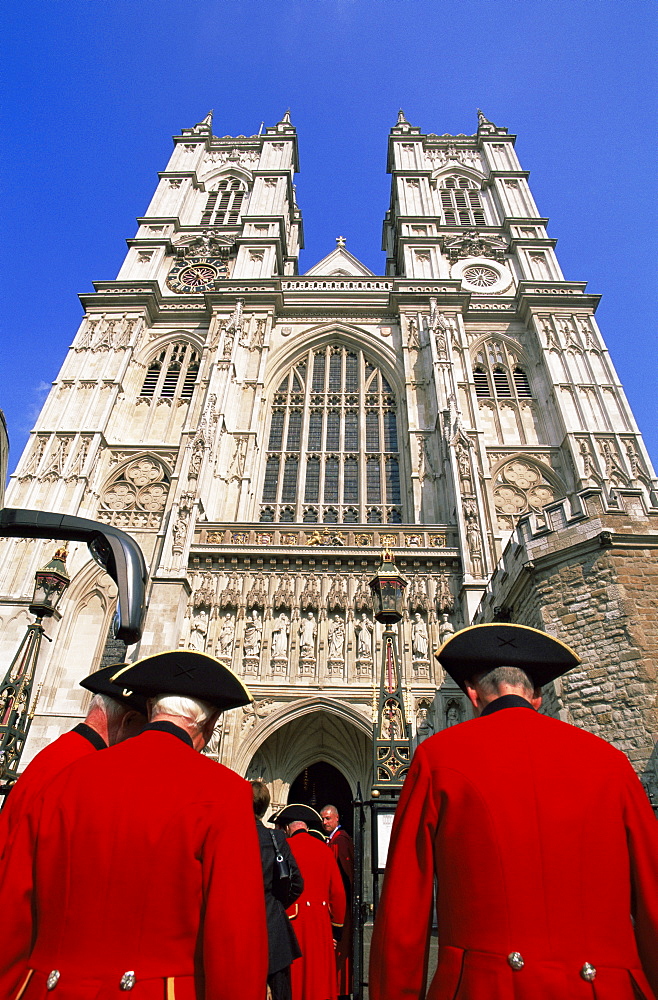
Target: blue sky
{"type": "Point", "coordinates": [94, 90]}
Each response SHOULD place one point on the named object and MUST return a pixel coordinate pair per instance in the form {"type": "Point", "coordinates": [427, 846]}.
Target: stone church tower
{"type": "Point", "coordinates": [264, 434]}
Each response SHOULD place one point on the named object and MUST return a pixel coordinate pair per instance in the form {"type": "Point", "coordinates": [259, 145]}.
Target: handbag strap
{"type": "Point", "coordinates": [277, 848]}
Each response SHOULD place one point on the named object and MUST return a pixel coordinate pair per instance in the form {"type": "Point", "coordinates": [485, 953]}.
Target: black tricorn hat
{"type": "Point", "coordinates": [100, 683]}
{"type": "Point", "coordinates": [187, 673]}
{"type": "Point", "coordinates": [298, 812]}
{"type": "Point", "coordinates": [481, 648]}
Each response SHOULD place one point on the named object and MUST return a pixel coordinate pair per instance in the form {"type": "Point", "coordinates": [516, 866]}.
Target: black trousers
{"type": "Point", "coordinates": [279, 984]}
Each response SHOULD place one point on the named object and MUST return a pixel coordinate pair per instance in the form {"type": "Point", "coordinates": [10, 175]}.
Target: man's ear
{"type": "Point", "coordinates": [472, 695]}
{"type": "Point", "coordinates": [209, 725]}
{"type": "Point", "coordinates": [535, 701]}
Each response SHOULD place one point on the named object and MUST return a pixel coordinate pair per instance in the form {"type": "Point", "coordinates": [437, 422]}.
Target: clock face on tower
{"type": "Point", "coordinates": [197, 274]}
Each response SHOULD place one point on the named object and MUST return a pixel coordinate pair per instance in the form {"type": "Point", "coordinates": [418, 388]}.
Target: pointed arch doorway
{"type": "Point", "coordinates": [322, 784]}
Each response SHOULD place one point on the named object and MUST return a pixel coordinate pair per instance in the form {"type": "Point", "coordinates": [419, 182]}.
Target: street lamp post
{"type": "Point", "coordinates": [16, 707]}
{"type": "Point", "coordinates": [392, 750]}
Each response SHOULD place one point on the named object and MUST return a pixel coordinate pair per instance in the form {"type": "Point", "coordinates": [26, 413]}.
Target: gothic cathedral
{"type": "Point", "coordinates": [265, 434]}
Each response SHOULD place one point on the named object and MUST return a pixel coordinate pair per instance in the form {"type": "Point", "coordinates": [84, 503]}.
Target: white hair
{"type": "Point", "coordinates": [113, 710]}
{"type": "Point", "coordinates": [193, 709]}
{"type": "Point", "coordinates": [493, 680]}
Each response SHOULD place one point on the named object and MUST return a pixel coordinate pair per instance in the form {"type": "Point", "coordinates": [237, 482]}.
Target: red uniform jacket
{"type": "Point", "coordinates": [321, 904]}
{"type": "Point", "coordinates": [541, 838]}
{"type": "Point", "coordinates": [40, 772]}
{"type": "Point", "coordinates": [146, 860]}
{"type": "Point", "coordinates": [343, 851]}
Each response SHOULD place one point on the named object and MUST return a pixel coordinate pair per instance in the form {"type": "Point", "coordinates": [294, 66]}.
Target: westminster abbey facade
{"type": "Point", "coordinates": [264, 434]}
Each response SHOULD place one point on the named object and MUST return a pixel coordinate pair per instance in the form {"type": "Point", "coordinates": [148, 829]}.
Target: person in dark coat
{"type": "Point", "coordinates": [279, 893]}
{"type": "Point", "coordinates": [319, 913]}
{"type": "Point", "coordinates": [342, 846]}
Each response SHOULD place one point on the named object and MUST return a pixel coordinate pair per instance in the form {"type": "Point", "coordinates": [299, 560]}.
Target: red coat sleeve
{"type": "Point", "coordinates": [337, 899]}
{"type": "Point", "coordinates": [16, 922]}
{"type": "Point", "coordinates": [642, 835]}
{"type": "Point", "coordinates": [401, 936]}
{"type": "Point", "coordinates": [235, 945]}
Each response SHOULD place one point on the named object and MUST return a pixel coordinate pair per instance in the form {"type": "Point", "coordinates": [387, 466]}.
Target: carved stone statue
{"type": "Point", "coordinates": [337, 638]}
{"type": "Point", "coordinates": [226, 637]}
{"type": "Point", "coordinates": [280, 633]}
{"type": "Point", "coordinates": [419, 640]}
{"type": "Point", "coordinates": [307, 633]}
{"type": "Point", "coordinates": [364, 629]}
{"type": "Point", "coordinates": [253, 633]}
{"type": "Point", "coordinates": [198, 632]}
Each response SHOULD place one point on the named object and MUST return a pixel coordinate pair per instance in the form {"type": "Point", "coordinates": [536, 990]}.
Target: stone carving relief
{"type": "Point", "coordinates": [255, 712]}
{"type": "Point", "coordinates": [181, 523]}
{"type": "Point", "coordinates": [230, 595]}
{"type": "Point", "coordinates": [204, 595]}
{"type": "Point", "coordinates": [107, 332]}
{"type": "Point", "coordinates": [136, 497]}
{"type": "Point", "coordinates": [32, 464]}
{"type": "Point", "coordinates": [613, 468]}
{"type": "Point", "coordinates": [473, 537]}
{"type": "Point", "coordinates": [475, 244]}
{"type": "Point", "coordinates": [519, 487]}
{"type": "Point", "coordinates": [442, 155]}
{"type": "Point", "coordinates": [426, 469]}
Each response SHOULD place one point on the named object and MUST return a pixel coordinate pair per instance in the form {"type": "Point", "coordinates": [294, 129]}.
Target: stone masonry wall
{"type": "Point", "coordinates": [593, 583]}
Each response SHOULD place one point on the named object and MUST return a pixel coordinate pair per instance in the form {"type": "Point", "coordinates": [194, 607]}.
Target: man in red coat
{"type": "Point", "coordinates": [319, 913]}
{"type": "Point", "coordinates": [342, 847]}
{"type": "Point", "coordinates": [141, 864]}
{"type": "Point", "coordinates": [539, 836]}
{"type": "Point", "coordinates": [113, 716]}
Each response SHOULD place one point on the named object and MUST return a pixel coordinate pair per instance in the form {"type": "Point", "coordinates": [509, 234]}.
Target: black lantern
{"type": "Point", "coordinates": [387, 588]}
{"type": "Point", "coordinates": [50, 582]}
{"type": "Point", "coordinates": [16, 705]}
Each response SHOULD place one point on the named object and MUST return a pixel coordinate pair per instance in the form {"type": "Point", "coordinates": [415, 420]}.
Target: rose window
{"type": "Point", "coordinates": [480, 276]}
{"type": "Point", "coordinates": [520, 487]}
{"type": "Point", "coordinates": [137, 496]}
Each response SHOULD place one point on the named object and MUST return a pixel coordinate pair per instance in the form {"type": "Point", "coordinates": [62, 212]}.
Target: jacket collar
{"type": "Point", "coordinates": [173, 730]}
{"type": "Point", "coordinates": [96, 740]}
{"type": "Point", "coordinates": [505, 701]}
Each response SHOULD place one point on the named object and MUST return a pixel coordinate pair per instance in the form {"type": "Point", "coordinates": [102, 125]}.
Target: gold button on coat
{"type": "Point", "coordinates": [515, 960]}
{"type": "Point", "coordinates": [588, 972]}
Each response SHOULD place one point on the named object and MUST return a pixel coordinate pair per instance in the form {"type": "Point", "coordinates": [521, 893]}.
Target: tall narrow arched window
{"type": "Point", "coordinates": [460, 200]}
{"type": "Point", "coordinates": [332, 453]}
{"type": "Point", "coordinates": [495, 366]}
{"type": "Point", "coordinates": [224, 204]}
{"type": "Point", "coordinates": [172, 373]}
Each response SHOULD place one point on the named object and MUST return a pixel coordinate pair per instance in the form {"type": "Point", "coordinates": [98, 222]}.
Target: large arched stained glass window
{"type": "Point", "coordinates": [332, 448]}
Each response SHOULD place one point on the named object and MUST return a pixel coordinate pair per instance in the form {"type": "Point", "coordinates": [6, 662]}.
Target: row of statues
{"type": "Point", "coordinates": [307, 631]}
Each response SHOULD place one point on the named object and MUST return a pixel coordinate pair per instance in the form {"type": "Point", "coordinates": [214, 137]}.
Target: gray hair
{"type": "Point", "coordinates": [192, 709]}
{"type": "Point", "coordinates": [113, 710]}
{"type": "Point", "coordinates": [491, 682]}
